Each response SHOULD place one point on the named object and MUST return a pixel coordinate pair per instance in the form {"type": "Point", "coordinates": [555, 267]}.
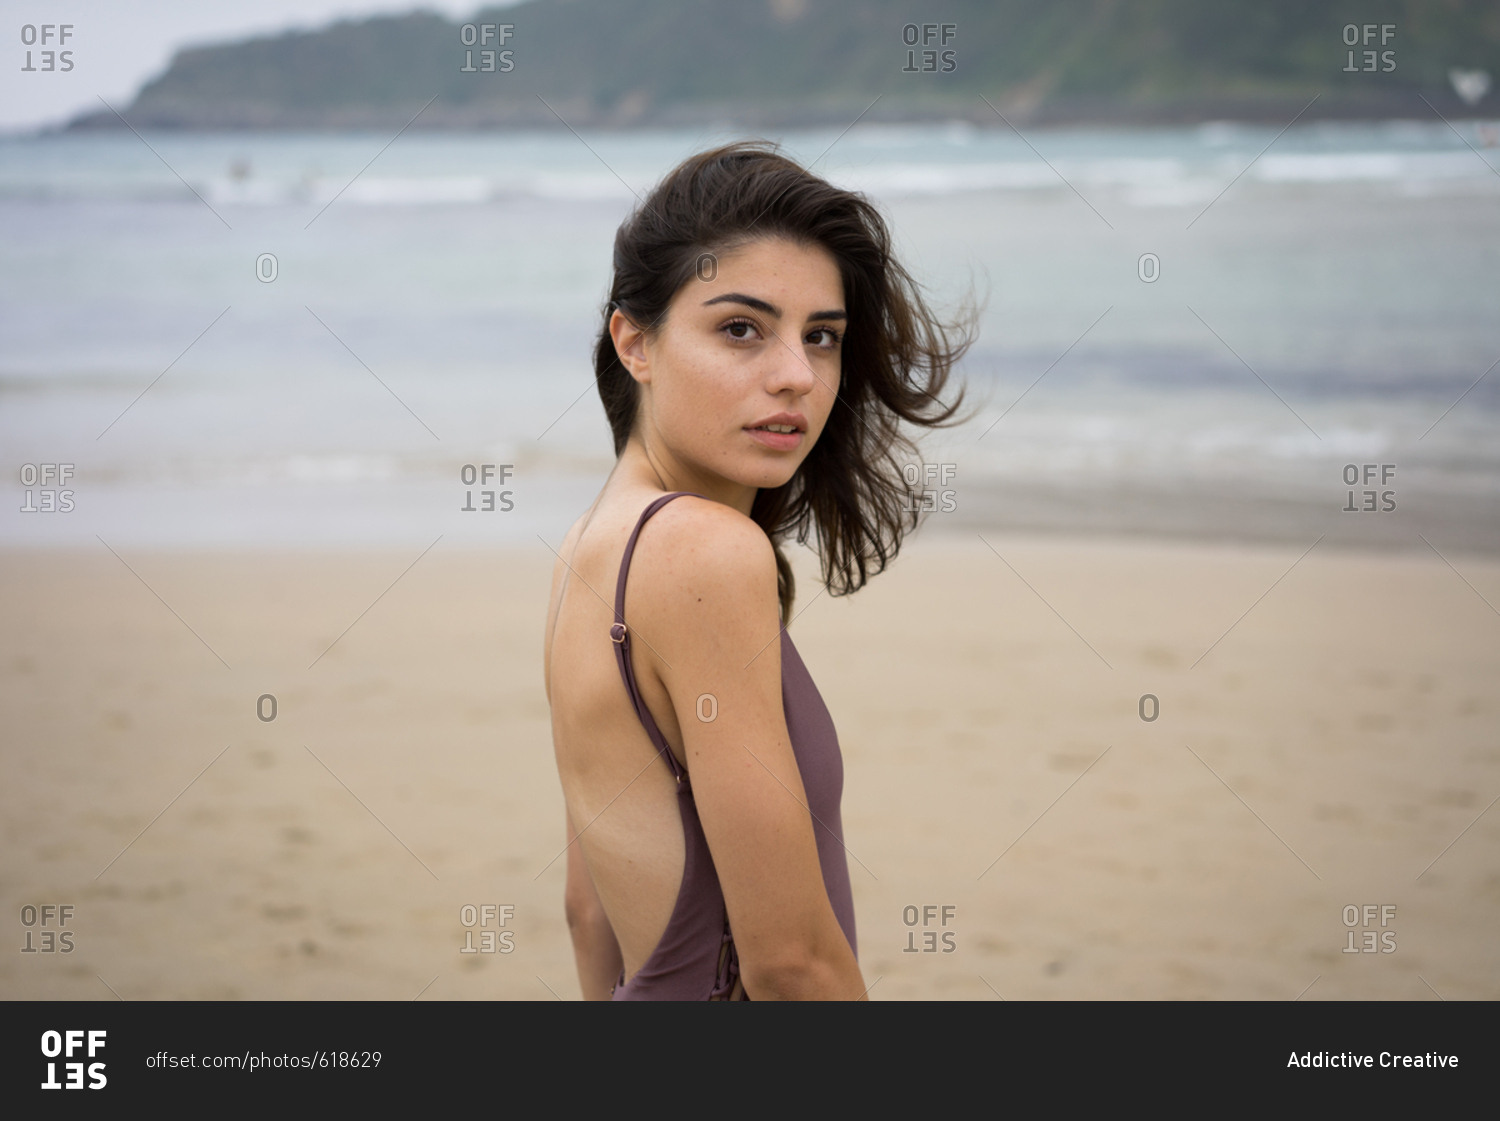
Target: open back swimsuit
{"type": "Point", "coordinates": [696, 958]}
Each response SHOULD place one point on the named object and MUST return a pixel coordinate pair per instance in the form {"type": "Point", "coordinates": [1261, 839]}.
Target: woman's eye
{"type": "Point", "coordinates": [740, 329]}
{"type": "Point", "coordinates": [825, 337]}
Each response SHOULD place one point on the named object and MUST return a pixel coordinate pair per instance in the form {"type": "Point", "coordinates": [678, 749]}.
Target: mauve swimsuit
{"type": "Point", "coordinates": [696, 959]}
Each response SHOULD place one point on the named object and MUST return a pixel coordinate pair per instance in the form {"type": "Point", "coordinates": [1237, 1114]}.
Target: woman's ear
{"type": "Point", "coordinates": [630, 346]}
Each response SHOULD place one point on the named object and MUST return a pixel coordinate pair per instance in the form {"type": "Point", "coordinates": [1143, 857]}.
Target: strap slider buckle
{"type": "Point", "coordinates": [617, 632]}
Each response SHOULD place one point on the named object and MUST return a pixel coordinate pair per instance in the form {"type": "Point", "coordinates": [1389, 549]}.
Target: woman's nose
{"type": "Point", "coordinates": [792, 370]}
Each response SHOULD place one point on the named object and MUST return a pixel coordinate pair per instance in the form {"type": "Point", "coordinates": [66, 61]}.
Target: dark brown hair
{"type": "Point", "coordinates": [897, 355]}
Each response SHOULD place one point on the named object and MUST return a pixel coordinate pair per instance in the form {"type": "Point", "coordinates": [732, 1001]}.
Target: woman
{"type": "Point", "coordinates": [759, 349]}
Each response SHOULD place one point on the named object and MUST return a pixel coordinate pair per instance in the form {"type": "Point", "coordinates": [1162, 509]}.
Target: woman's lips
{"type": "Point", "coordinates": [781, 441]}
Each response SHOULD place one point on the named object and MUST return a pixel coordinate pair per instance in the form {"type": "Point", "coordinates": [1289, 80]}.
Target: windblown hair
{"type": "Point", "coordinates": [896, 355]}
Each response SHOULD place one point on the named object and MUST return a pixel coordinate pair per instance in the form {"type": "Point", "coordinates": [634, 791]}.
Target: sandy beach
{"type": "Point", "coordinates": [1324, 739]}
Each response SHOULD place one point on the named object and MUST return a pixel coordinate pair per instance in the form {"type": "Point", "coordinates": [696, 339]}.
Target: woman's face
{"type": "Point", "coordinates": [757, 344]}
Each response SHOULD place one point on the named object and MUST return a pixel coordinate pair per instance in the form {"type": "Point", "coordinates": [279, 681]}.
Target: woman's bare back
{"type": "Point", "coordinates": [735, 883]}
{"type": "Point", "coordinates": [621, 797]}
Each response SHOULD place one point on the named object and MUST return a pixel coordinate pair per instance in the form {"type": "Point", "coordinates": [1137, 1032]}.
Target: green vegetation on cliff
{"type": "Point", "coordinates": [627, 62]}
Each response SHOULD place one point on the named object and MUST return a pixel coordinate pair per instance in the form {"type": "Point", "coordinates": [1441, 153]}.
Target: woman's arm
{"type": "Point", "coordinates": [594, 946]}
{"type": "Point", "coordinates": [713, 580]}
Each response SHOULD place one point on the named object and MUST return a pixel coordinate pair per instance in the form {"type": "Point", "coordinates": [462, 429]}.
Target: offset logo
{"type": "Point", "coordinates": [929, 36]}
{"type": "Point", "coordinates": [52, 495]}
{"type": "Point", "coordinates": [925, 498]}
{"type": "Point", "coordinates": [45, 928]}
{"type": "Point", "coordinates": [47, 60]}
{"type": "Point", "coordinates": [482, 473]}
{"type": "Point", "coordinates": [1360, 920]}
{"type": "Point", "coordinates": [491, 60]}
{"type": "Point", "coordinates": [66, 1044]}
{"type": "Point", "coordinates": [930, 914]}
{"type": "Point", "coordinates": [1356, 35]}
{"type": "Point", "coordinates": [492, 940]}
{"type": "Point", "coordinates": [1370, 472]}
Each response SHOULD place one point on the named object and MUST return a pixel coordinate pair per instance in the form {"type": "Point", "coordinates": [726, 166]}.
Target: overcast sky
{"type": "Point", "coordinates": [118, 45]}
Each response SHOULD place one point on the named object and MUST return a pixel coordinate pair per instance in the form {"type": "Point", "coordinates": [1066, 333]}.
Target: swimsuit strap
{"type": "Point", "coordinates": [620, 634]}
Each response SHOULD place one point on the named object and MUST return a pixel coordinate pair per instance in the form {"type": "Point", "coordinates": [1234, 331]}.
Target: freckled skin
{"type": "Point", "coordinates": [714, 368]}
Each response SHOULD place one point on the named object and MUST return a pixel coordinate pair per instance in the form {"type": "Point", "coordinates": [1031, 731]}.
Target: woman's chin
{"type": "Point", "coordinates": [767, 476]}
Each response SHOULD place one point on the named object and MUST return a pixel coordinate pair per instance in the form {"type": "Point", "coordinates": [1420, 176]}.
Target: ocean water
{"type": "Point", "coordinates": [268, 339]}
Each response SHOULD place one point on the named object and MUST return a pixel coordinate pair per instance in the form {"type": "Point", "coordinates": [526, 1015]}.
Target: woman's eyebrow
{"type": "Point", "coordinates": [769, 309]}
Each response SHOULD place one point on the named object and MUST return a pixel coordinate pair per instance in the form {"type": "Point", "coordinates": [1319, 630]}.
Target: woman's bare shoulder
{"type": "Point", "coordinates": [703, 574]}
{"type": "Point", "coordinates": [694, 542]}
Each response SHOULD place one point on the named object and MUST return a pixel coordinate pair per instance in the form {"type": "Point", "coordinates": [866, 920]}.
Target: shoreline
{"type": "Point", "coordinates": [395, 516]}
{"type": "Point", "coordinates": [1269, 109]}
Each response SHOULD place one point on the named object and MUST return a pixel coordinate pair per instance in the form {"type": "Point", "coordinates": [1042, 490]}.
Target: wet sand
{"type": "Point", "coordinates": [1325, 737]}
